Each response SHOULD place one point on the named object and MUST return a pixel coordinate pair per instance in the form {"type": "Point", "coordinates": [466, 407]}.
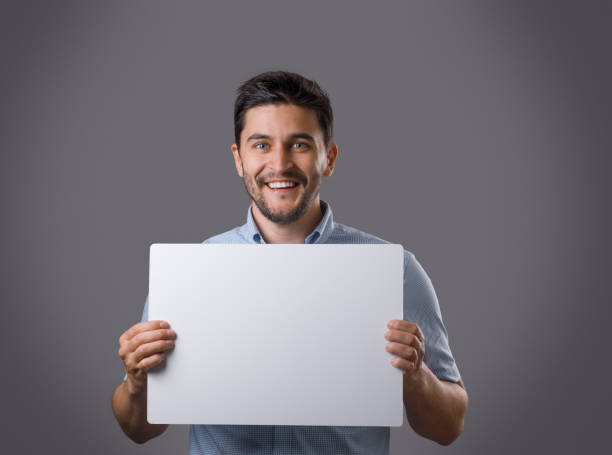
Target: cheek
{"type": "Point", "coordinates": [251, 168]}
{"type": "Point", "coordinates": [319, 168]}
{"type": "Point", "coordinates": [252, 171]}
{"type": "Point", "coordinates": [322, 163]}
{"type": "Point", "coordinates": [312, 165]}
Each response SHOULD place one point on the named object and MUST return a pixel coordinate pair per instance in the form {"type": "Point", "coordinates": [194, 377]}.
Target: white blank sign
{"type": "Point", "coordinates": [276, 334]}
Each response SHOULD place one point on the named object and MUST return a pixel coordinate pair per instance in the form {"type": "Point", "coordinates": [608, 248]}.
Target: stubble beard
{"type": "Point", "coordinates": [255, 191]}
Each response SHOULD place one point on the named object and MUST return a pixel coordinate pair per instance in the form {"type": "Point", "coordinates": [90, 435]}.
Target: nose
{"type": "Point", "coordinates": [279, 159]}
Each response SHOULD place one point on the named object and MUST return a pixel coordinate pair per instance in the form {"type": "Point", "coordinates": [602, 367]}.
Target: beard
{"type": "Point", "coordinates": [254, 188]}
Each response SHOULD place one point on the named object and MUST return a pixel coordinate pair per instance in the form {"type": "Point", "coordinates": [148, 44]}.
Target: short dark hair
{"type": "Point", "coordinates": [282, 87]}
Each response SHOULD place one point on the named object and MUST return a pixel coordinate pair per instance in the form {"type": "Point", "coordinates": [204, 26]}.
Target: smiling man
{"type": "Point", "coordinates": [283, 148]}
{"type": "Point", "coordinates": [282, 159]}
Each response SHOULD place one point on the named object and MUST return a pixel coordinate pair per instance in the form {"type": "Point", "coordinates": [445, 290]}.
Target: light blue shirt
{"type": "Point", "coordinates": [420, 306]}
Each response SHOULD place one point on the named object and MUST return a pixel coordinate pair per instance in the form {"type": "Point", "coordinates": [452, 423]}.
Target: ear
{"type": "Point", "coordinates": [237, 160]}
{"type": "Point", "coordinates": [332, 155]}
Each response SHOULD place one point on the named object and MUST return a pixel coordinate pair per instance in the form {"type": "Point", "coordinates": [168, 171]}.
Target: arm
{"type": "Point", "coordinates": [142, 347]}
{"type": "Point", "coordinates": [435, 409]}
{"type": "Point", "coordinates": [130, 408]}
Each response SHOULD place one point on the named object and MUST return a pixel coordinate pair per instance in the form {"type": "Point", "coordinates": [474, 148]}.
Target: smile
{"type": "Point", "coordinates": [283, 184]}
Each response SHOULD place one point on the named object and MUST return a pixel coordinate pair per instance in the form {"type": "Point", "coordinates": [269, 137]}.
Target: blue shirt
{"type": "Point", "coordinates": [420, 306]}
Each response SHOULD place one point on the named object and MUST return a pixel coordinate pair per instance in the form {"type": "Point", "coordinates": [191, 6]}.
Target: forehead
{"type": "Point", "coordinates": [281, 120]}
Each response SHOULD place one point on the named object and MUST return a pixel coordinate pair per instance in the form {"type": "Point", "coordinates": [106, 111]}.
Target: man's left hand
{"type": "Point", "coordinates": [406, 341]}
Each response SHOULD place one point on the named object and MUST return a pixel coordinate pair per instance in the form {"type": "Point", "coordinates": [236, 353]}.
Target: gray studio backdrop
{"type": "Point", "coordinates": [475, 134]}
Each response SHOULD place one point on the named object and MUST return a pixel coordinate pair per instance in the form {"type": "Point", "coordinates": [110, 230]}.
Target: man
{"type": "Point", "coordinates": [283, 149]}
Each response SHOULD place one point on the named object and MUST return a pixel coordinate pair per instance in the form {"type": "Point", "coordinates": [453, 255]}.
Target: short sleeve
{"type": "Point", "coordinates": [145, 311]}
{"type": "Point", "coordinates": [421, 307]}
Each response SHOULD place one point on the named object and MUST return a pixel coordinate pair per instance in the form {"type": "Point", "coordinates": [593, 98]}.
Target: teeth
{"type": "Point", "coordinates": [281, 184]}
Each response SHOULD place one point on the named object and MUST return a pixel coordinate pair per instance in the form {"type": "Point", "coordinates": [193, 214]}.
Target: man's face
{"type": "Point", "coordinates": [282, 160]}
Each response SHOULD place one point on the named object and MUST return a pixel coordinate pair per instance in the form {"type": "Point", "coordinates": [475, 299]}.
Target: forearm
{"type": "Point", "coordinates": [130, 408]}
{"type": "Point", "coordinates": [435, 409]}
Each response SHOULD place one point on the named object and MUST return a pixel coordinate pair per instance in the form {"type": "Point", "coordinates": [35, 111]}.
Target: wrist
{"type": "Point", "coordinates": [135, 387]}
{"type": "Point", "coordinates": [417, 378]}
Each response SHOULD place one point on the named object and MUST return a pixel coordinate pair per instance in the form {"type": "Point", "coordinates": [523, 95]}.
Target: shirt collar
{"type": "Point", "coordinates": [318, 235]}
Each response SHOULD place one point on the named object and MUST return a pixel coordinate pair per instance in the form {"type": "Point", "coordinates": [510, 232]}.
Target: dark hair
{"type": "Point", "coordinates": [282, 87]}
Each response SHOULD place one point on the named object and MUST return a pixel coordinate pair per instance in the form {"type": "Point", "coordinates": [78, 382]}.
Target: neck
{"type": "Point", "coordinates": [295, 232]}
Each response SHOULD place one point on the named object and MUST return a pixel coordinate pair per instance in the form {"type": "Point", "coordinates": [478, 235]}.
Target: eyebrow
{"type": "Point", "coordinates": [306, 136]}
{"type": "Point", "coordinates": [256, 136]}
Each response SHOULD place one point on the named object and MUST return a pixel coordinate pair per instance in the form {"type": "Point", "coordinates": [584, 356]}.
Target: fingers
{"type": "Point", "coordinates": [145, 345]}
{"type": "Point", "coordinates": [149, 337]}
{"type": "Point", "coordinates": [129, 346]}
{"type": "Point", "coordinates": [407, 363]}
{"type": "Point", "coordinates": [407, 342]}
{"type": "Point", "coordinates": [142, 327]}
{"type": "Point", "coordinates": [149, 349]}
{"type": "Point", "coordinates": [149, 362]}
{"type": "Point", "coordinates": [402, 337]}
{"type": "Point", "coordinates": [402, 350]}
{"type": "Point", "coordinates": [403, 364]}
{"type": "Point", "coordinates": [146, 356]}
{"type": "Point", "coordinates": [405, 326]}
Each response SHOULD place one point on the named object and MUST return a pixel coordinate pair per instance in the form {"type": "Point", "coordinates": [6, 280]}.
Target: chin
{"type": "Point", "coordinates": [283, 217]}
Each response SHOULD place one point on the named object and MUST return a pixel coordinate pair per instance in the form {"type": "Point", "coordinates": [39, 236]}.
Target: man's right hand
{"type": "Point", "coordinates": [143, 346]}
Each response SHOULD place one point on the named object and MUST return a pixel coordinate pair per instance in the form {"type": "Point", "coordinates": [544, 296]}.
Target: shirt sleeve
{"type": "Point", "coordinates": [145, 311]}
{"type": "Point", "coordinates": [421, 307]}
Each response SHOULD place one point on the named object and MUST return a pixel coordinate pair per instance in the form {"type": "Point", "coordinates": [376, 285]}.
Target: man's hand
{"type": "Point", "coordinates": [406, 341]}
{"type": "Point", "coordinates": [143, 346]}
{"type": "Point", "coordinates": [435, 408]}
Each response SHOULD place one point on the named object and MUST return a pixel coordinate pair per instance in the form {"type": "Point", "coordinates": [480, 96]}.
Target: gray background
{"type": "Point", "coordinates": [475, 134]}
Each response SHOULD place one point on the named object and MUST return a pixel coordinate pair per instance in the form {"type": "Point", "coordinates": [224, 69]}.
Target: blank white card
{"type": "Point", "coordinates": [276, 334]}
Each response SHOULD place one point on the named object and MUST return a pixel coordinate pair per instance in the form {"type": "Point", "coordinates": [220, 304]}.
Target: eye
{"type": "Point", "coordinates": [261, 146]}
{"type": "Point", "coordinates": [300, 146]}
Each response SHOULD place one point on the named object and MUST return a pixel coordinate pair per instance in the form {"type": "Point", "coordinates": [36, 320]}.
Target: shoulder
{"type": "Point", "coordinates": [413, 269]}
{"type": "Point", "coordinates": [235, 235]}
{"type": "Point", "coordinates": [347, 234]}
